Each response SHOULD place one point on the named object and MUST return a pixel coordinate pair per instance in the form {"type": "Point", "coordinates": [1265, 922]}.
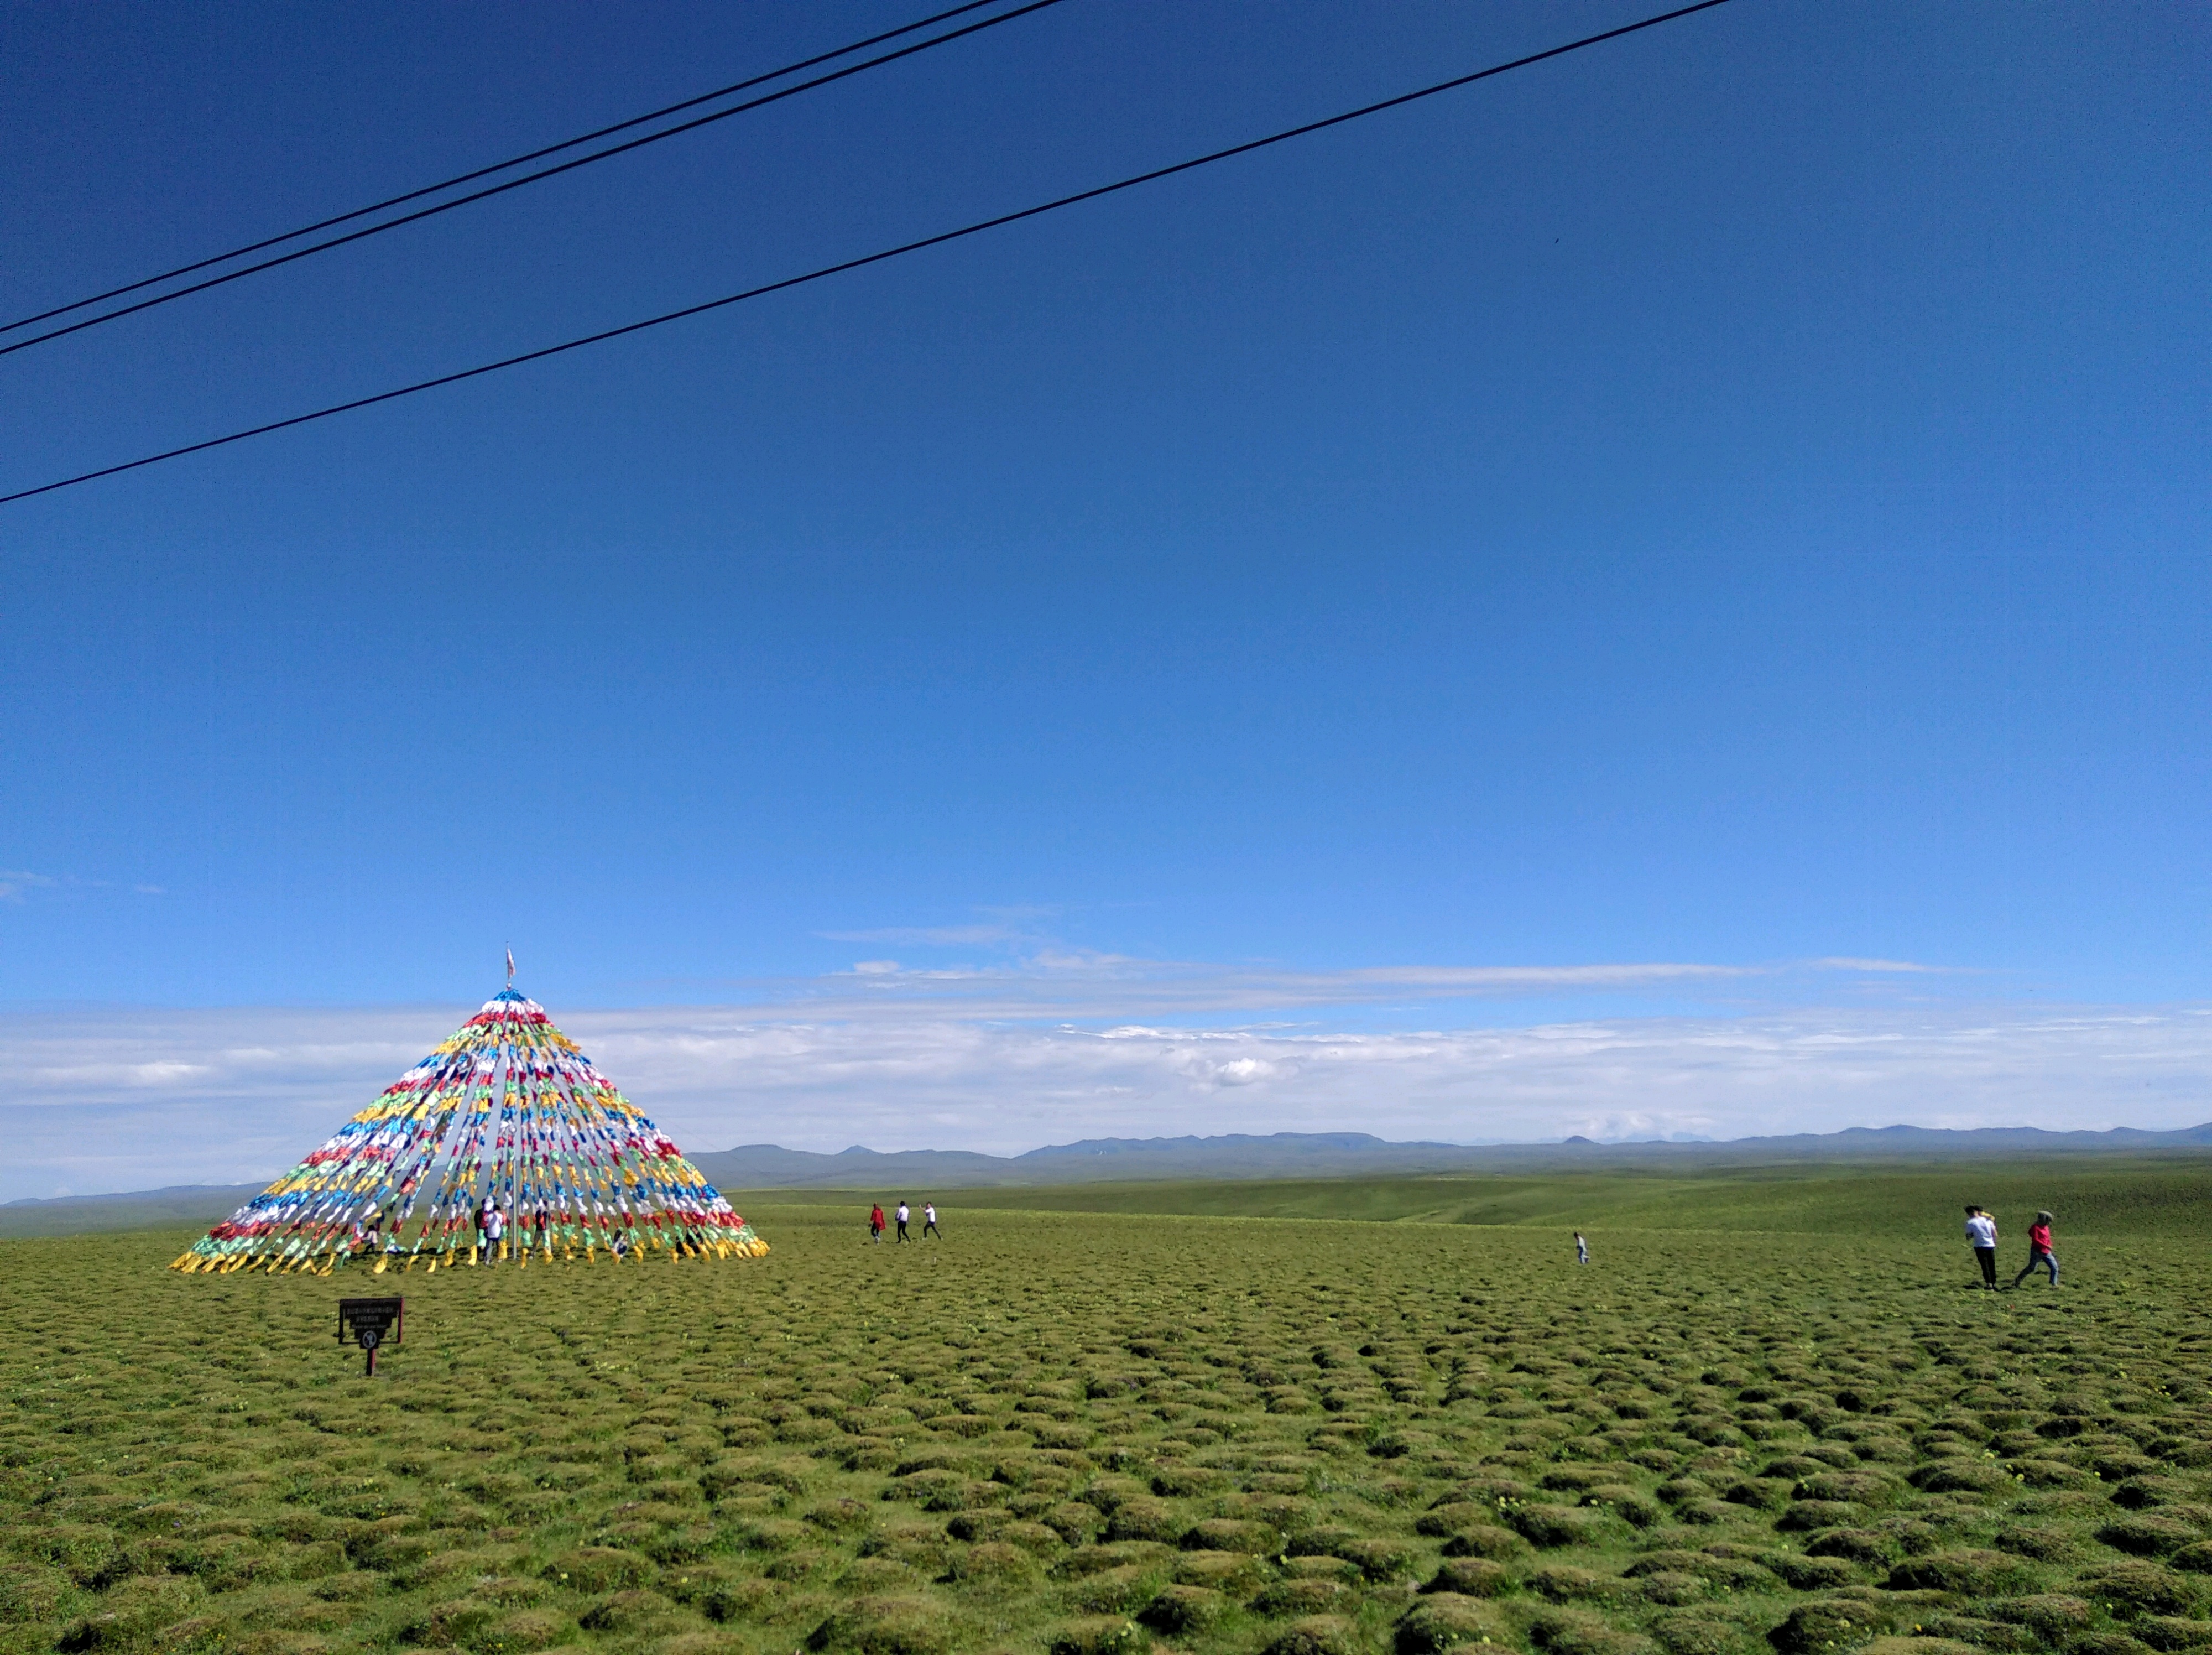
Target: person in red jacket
{"type": "Point", "coordinates": [876, 1222]}
{"type": "Point", "coordinates": [2039, 1255]}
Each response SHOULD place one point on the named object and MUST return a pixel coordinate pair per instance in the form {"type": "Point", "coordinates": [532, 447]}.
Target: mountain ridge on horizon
{"type": "Point", "coordinates": [1326, 1155]}
{"type": "Point", "coordinates": [1224, 1156]}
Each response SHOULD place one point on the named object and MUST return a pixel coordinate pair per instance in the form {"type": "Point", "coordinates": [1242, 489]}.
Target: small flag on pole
{"type": "Point", "coordinates": [510, 968]}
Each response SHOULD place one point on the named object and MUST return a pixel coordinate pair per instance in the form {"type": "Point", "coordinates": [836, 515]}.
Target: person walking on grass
{"type": "Point", "coordinates": [929, 1221]}
{"type": "Point", "coordinates": [1982, 1237]}
{"type": "Point", "coordinates": [1582, 1249]}
{"type": "Point", "coordinates": [494, 1226]}
{"type": "Point", "coordinates": [876, 1223]}
{"type": "Point", "coordinates": [2039, 1256]}
{"type": "Point", "coordinates": [901, 1216]}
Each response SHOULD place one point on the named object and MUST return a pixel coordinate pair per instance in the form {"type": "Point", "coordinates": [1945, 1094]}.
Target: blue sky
{"type": "Point", "coordinates": [1736, 497]}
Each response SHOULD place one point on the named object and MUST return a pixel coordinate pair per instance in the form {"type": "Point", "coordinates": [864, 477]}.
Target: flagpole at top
{"type": "Point", "coordinates": [510, 965]}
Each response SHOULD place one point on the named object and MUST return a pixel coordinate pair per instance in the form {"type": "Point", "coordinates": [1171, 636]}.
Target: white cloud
{"type": "Point", "coordinates": [1082, 984]}
{"type": "Point", "coordinates": [113, 1099]}
{"type": "Point", "coordinates": [936, 936]}
{"type": "Point", "coordinates": [1844, 962]}
{"type": "Point", "coordinates": [14, 881]}
{"type": "Point", "coordinates": [1238, 1071]}
{"type": "Point", "coordinates": [994, 927]}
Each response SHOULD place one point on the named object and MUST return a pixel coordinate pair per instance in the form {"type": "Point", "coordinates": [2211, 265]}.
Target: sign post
{"type": "Point", "coordinates": [371, 1322]}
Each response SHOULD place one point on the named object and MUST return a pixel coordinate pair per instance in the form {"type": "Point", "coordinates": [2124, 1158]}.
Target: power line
{"type": "Point", "coordinates": [496, 166]}
{"type": "Point", "coordinates": [938, 239]}
{"type": "Point", "coordinates": [504, 166]}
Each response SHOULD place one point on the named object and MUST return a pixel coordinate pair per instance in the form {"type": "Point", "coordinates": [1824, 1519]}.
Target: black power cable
{"type": "Point", "coordinates": [504, 166]}
{"type": "Point", "coordinates": [904, 248]}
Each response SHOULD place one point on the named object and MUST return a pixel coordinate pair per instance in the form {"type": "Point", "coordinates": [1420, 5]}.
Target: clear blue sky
{"type": "Point", "coordinates": [1737, 496]}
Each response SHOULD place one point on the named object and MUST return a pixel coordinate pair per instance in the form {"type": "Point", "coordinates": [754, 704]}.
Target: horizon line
{"type": "Point", "coordinates": [1679, 1142]}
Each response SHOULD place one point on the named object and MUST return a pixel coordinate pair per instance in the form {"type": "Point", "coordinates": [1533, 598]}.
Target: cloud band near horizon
{"type": "Point", "coordinates": [118, 1098]}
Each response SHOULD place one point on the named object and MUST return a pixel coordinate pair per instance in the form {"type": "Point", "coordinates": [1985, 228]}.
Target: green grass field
{"type": "Point", "coordinates": [2101, 1196]}
{"type": "Point", "coordinates": [1770, 1416]}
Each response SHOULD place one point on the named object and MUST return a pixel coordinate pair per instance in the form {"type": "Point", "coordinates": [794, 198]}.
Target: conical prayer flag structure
{"type": "Point", "coordinates": [504, 1143]}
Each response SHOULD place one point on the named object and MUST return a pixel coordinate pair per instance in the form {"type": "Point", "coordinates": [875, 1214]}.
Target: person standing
{"type": "Point", "coordinates": [494, 1226]}
{"type": "Point", "coordinates": [1982, 1237]}
{"type": "Point", "coordinates": [929, 1221]}
{"type": "Point", "coordinates": [1582, 1249]}
{"type": "Point", "coordinates": [901, 1216]}
{"type": "Point", "coordinates": [876, 1222]}
{"type": "Point", "coordinates": [2039, 1255]}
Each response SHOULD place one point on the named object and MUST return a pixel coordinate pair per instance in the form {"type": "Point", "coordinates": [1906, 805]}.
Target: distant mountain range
{"type": "Point", "coordinates": [1344, 1154]}
{"type": "Point", "coordinates": [1233, 1155]}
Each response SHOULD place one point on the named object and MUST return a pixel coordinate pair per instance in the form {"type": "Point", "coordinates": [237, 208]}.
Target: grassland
{"type": "Point", "coordinates": [1093, 1433]}
{"type": "Point", "coordinates": [2102, 1196]}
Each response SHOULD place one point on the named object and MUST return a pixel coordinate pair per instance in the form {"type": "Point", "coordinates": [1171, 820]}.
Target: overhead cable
{"type": "Point", "coordinates": [776, 96]}
{"type": "Point", "coordinates": [902, 249]}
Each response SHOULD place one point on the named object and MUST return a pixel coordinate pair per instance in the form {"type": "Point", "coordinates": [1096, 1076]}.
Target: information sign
{"type": "Point", "coordinates": [370, 1323]}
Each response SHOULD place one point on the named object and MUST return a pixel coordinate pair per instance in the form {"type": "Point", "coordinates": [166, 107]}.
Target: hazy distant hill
{"type": "Point", "coordinates": [1234, 1155]}
{"type": "Point", "coordinates": [1333, 1154]}
{"type": "Point", "coordinates": [918, 1173]}
{"type": "Point", "coordinates": [182, 1205]}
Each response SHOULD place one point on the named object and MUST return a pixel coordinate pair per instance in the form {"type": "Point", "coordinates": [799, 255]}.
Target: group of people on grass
{"type": "Point", "coordinates": [1982, 1237]}
{"type": "Point", "coordinates": [490, 1223]}
{"type": "Point", "coordinates": [928, 1221]}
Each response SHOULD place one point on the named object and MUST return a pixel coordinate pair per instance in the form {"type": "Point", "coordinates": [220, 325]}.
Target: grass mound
{"type": "Point", "coordinates": [1059, 1435]}
{"type": "Point", "coordinates": [1438, 1623]}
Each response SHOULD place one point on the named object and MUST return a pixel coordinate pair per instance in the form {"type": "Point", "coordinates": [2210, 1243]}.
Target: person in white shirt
{"type": "Point", "coordinates": [1982, 1235]}
{"type": "Point", "coordinates": [929, 1221]}
{"type": "Point", "coordinates": [900, 1216]}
